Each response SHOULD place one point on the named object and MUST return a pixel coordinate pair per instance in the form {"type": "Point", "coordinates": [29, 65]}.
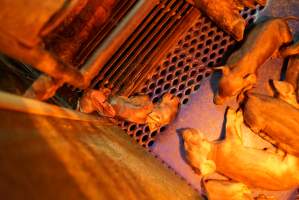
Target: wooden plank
{"type": "Point", "coordinates": [31, 106]}
{"type": "Point", "coordinates": [53, 158]}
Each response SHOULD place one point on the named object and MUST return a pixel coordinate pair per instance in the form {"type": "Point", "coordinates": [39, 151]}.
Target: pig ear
{"type": "Point", "coordinates": [225, 70]}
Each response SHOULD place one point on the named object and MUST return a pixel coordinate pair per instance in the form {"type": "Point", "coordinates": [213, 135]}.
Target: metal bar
{"type": "Point", "coordinates": [147, 51]}
{"type": "Point", "coordinates": [121, 52]}
{"type": "Point", "coordinates": [104, 31]}
{"type": "Point", "coordinates": [99, 58]}
{"type": "Point", "coordinates": [138, 45]}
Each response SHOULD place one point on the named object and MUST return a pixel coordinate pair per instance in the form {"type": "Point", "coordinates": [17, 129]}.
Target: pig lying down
{"type": "Point", "coordinates": [239, 73]}
{"type": "Point", "coordinates": [276, 118]}
{"type": "Point", "coordinates": [229, 157]}
{"type": "Point", "coordinates": [138, 109]}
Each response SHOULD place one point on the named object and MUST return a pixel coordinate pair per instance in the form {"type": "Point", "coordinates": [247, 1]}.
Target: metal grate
{"type": "Point", "coordinates": [184, 67]}
{"type": "Point", "coordinates": [129, 63]}
{"type": "Point", "coordinates": [121, 9]}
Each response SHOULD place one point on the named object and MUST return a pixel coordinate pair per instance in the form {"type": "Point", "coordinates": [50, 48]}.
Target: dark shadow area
{"type": "Point", "coordinates": [181, 143]}
{"type": "Point", "coordinates": [214, 81]}
{"type": "Point", "coordinates": [284, 69]}
{"type": "Point", "coordinates": [223, 128]}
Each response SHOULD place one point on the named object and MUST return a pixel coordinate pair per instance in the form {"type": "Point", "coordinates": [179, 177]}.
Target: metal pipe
{"type": "Point", "coordinates": [100, 57]}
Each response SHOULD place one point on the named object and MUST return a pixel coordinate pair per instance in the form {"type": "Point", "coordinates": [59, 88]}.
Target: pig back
{"type": "Point", "coordinates": [278, 119]}
{"type": "Point", "coordinates": [263, 41]}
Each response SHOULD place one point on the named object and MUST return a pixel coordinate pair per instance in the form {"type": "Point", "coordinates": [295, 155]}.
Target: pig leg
{"type": "Point", "coordinates": [225, 190]}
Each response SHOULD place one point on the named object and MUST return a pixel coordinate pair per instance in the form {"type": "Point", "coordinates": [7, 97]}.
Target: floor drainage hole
{"type": "Point", "coordinates": [156, 99]}
{"type": "Point", "coordinates": [188, 91]}
{"type": "Point", "coordinates": [192, 50]}
{"type": "Point", "coordinates": [207, 74]}
{"type": "Point", "coordinates": [169, 77]}
{"type": "Point", "coordinates": [208, 42]}
{"type": "Point", "coordinates": [199, 78]}
{"type": "Point", "coordinates": [196, 87]}
{"type": "Point", "coordinates": [173, 91]}
{"type": "Point", "coordinates": [193, 42]}
{"type": "Point", "coordinates": [175, 82]}
{"type": "Point", "coordinates": [155, 76]}
{"type": "Point", "coordinates": [163, 72]}
{"type": "Point", "coordinates": [206, 51]}
{"type": "Point", "coordinates": [188, 37]}
{"type": "Point", "coordinates": [223, 42]}
{"type": "Point", "coordinates": [176, 51]}
{"type": "Point", "coordinates": [182, 55]}
{"type": "Point", "coordinates": [215, 46]}
{"type": "Point", "coordinates": [218, 60]}
{"type": "Point", "coordinates": [138, 133]}
{"type": "Point", "coordinates": [204, 59]}
{"type": "Point", "coordinates": [158, 91]}
{"type": "Point", "coordinates": [184, 78]}
{"type": "Point", "coordinates": [180, 95]}
{"type": "Point", "coordinates": [146, 129]}
{"type": "Point", "coordinates": [144, 138]}
{"type": "Point", "coordinates": [185, 101]}
{"type": "Point", "coordinates": [181, 64]}
{"type": "Point", "coordinates": [174, 59]}
{"type": "Point", "coordinates": [199, 46]}
{"type": "Point", "coordinates": [182, 86]}
{"type": "Point", "coordinates": [150, 143]}
{"type": "Point", "coordinates": [191, 82]}
{"type": "Point", "coordinates": [210, 33]}
{"type": "Point", "coordinates": [194, 64]}
{"type": "Point", "coordinates": [132, 127]}
{"type": "Point", "coordinates": [143, 90]}
{"type": "Point", "coordinates": [217, 38]}
{"type": "Point", "coordinates": [211, 64]}
{"type": "Point", "coordinates": [202, 37]}
{"type": "Point", "coordinates": [204, 29]}
{"type": "Point", "coordinates": [125, 123]}
{"type": "Point", "coordinates": [213, 55]}
{"type": "Point", "coordinates": [153, 134]}
{"type": "Point", "coordinates": [196, 33]}
{"type": "Point", "coordinates": [171, 68]}
{"type": "Point", "coordinates": [166, 63]}
{"type": "Point", "coordinates": [185, 45]}
{"type": "Point", "coordinates": [198, 54]}
{"type": "Point", "coordinates": [163, 128]}
{"type": "Point", "coordinates": [186, 68]}
{"type": "Point", "coordinates": [167, 86]}
{"type": "Point", "coordinates": [177, 73]}
{"type": "Point", "coordinates": [160, 81]}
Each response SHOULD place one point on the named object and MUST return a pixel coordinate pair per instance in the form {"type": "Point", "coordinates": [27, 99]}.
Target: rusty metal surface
{"type": "Point", "coordinates": [200, 112]}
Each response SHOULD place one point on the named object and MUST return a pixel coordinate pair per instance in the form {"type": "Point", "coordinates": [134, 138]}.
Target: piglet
{"type": "Point", "coordinates": [274, 117]}
{"type": "Point", "coordinates": [254, 167]}
{"type": "Point", "coordinates": [239, 73]}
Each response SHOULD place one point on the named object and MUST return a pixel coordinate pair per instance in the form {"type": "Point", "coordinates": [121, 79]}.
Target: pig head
{"type": "Point", "coordinates": [233, 83]}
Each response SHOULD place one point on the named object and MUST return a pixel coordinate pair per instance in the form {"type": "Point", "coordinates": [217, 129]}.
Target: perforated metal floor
{"type": "Point", "coordinates": [184, 67]}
